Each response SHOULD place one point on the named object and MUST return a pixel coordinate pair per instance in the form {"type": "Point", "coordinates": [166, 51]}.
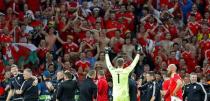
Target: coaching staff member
{"type": "Point", "coordinates": [15, 84]}
{"type": "Point", "coordinates": [30, 92]}
{"type": "Point", "coordinates": [67, 89]}
{"type": "Point", "coordinates": [151, 88]}
{"type": "Point", "coordinates": [194, 91]}
{"type": "Point", "coordinates": [88, 89]}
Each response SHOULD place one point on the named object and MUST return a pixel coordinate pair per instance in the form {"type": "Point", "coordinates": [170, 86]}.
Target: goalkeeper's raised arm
{"type": "Point", "coordinates": [108, 62]}
{"type": "Point", "coordinates": [120, 61]}
{"type": "Point", "coordinates": [133, 64]}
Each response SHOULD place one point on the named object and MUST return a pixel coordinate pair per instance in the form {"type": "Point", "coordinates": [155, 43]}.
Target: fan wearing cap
{"type": "Point", "coordinates": [120, 76]}
{"type": "Point", "coordinates": [45, 87]}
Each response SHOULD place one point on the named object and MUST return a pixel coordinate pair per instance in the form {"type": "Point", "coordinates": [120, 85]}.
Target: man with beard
{"type": "Point", "coordinates": [175, 86]}
{"type": "Point", "coordinates": [120, 76]}
{"type": "Point", "coordinates": [194, 91]}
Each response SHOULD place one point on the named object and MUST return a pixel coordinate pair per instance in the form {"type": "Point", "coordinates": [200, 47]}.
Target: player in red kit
{"type": "Point", "coordinates": [102, 87]}
{"type": "Point", "coordinates": [175, 86]}
{"type": "Point", "coordinates": [165, 87]}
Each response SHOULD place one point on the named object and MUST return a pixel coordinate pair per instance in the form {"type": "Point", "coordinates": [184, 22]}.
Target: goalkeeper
{"type": "Point", "coordinates": [120, 76]}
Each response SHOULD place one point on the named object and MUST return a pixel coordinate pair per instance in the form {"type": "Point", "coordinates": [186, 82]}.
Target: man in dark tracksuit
{"type": "Point", "coordinates": [29, 91]}
{"type": "Point", "coordinates": [15, 84]}
{"type": "Point", "coordinates": [194, 91]}
{"type": "Point", "coordinates": [151, 88]}
{"type": "Point", "coordinates": [67, 89]}
{"type": "Point", "coordinates": [132, 89]}
{"type": "Point", "coordinates": [56, 83]}
{"type": "Point", "coordinates": [88, 89]}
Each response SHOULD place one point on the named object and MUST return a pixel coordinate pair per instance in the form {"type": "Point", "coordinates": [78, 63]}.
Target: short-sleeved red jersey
{"type": "Point", "coordinates": [173, 85]}
{"type": "Point", "coordinates": [165, 87]}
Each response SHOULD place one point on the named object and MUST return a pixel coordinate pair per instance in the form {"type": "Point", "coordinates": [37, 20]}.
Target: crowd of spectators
{"type": "Point", "coordinates": [72, 34]}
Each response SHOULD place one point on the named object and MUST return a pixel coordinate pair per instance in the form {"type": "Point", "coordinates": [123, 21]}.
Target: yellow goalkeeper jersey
{"type": "Point", "coordinates": [120, 79]}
